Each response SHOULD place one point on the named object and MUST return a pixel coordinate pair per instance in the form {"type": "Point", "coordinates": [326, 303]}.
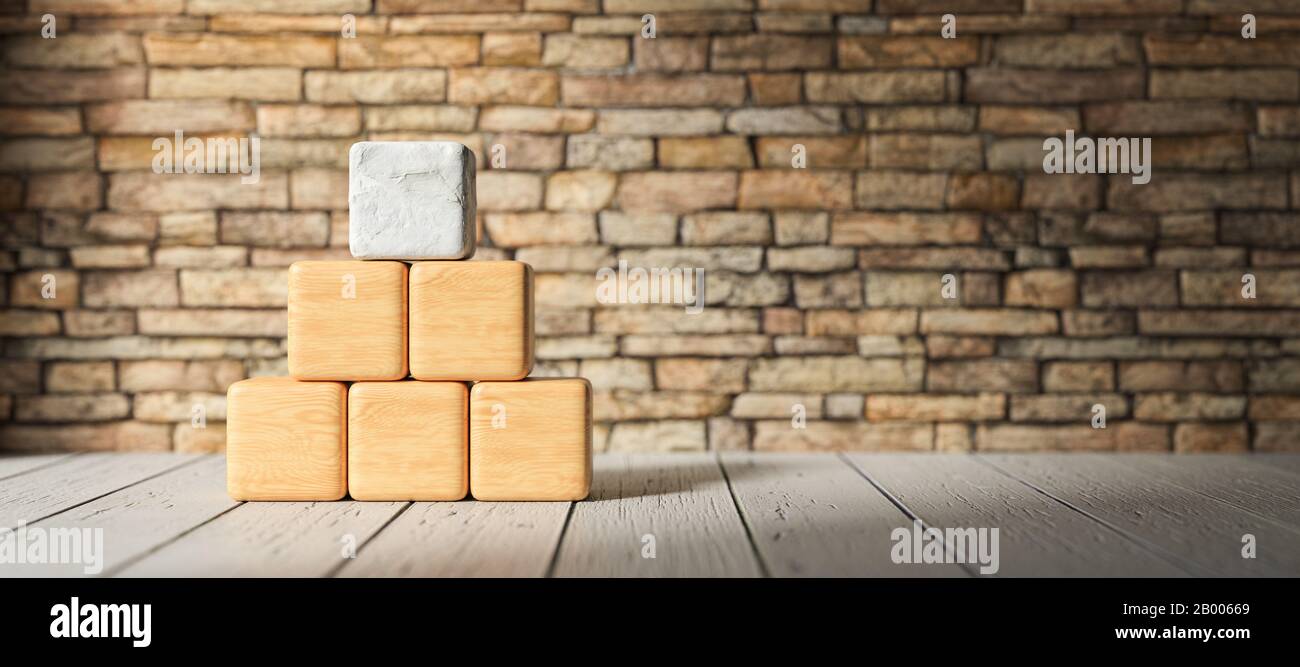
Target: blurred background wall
{"type": "Point", "coordinates": [923, 158]}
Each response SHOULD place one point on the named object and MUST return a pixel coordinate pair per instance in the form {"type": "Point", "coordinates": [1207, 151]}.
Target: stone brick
{"type": "Point", "coordinates": [1042, 288]}
{"type": "Point", "coordinates": [1108, 257]}
{"type": "Point", "coordinates": [308, 120]}
{"type": "Point", "coordinates": [1015, 376]}
{"type": "Point", "coordinates": [512, 49]}
{"type": "Point", "coordinates": [932, 258]}
{"type": "Point", "coordinates": [147, 192]}
{"type": "Point", "coordinates": [1275, 287]}
{"type": "Point", "coordinates": [197, 228]}
{"type": "Point", "coordinates": [499, 190]}
{"type": "Point", "coordinates": [784, 120]}
{"type": "Point", "coordinates": [797, 228]}
{"type": "Point", "coordinates": [710, 375]}
{"type": "Point", "coordinates": [643, 229]}
{"type": "Point", "coordinates": [1166, 407]}
{"type": "Point", "coordinates": [674, 320]}
{"type": "Point", "coordinates": [98, 323]}
{"type": "Point", "coordinates": [585, 52]}
{"type": "Point", "coordinates": [110, 257]}
{"type": "Point", "coordinates": [1275, 408]}
{"type": "Point", "coordinates": [782, 321]}
{"type": "Point", "coordinates": [507, 118]}
{"type": "Point", "coordinates": [660, 436]}
{"type": "Point", "coordinates": [1070, 192]}
{"type": "Point", "coordinates": [659, 122]}
{"type": "Point", "coordinates": [1277, 437]}
{"type": "Point", "coordinates": [676, 192]}
{"type": "Point", "coordinates": [1130, 288]}
{"type": "Point", "coordinates": [173, 406]}
{"type": "Point", "coordinates": [988, 321]}
{"type": "Point", "coordinates": [819, 436]}
{"type": "Point", "coordinates": [983, 192]}
{"type": "Point", "coordinates": [1020, 438]}
{"type": "Point", "coordinates": [651, 90]}
{"type": "Point", "coordinates": [370, 52]}
{"type": "Point", "coordinates": [1031, 86]}
{"type": "Point", "coordinates": [773, 89]}
{"type": "Point", "coordinates": [725, 152]}
{"type": "Point", "coordinates": [586, 190]}
{"type": "Point", "coordinates": [71, 408]}
{"type": "Point", "coordinates": [609, 374]}
{"type": "Point", "coordinates": [929, 408]}
{"type": "Point", "coordinates": [1193, 437]}
{"type": "Point", "coordinates": [929, 118]}
{"type": "Point", "coordinates": [49, 121]}
{"type": "Point", "coordinates": [103, 436]}
{"type": "Point", "coordinates": [728, 228]}
{"type": "Point", "coordinates": [155, 288]}
{"type": "Point", "coordinates": [266, 84]}
{"type": "Point", "coordinates": [57, 87]}
{"type": "Point", "coordinates": [938, 346]}
{"type": "Point", "coordinates": [25, 155]}
{"type": "Point", "coordinates": [770, 52]}
{"type": "Point", "coordinates": [1074, 51]}
{"type": "Point", "coordinates": [888, 51]}
{"type": "Point", "coordinates": [19, 323]}
{"type": "Point", "coordinates": [68, 190]}
{"type": "Point", "coordinates": [890, 189]}
{"type": "Point", "coordinates": [1205, 376]}
{"type": "Point", "coordinates": [1068, 376]}
{"type": "Point", "coordinates": [74, 51]}
{"type": "Point", "coordinates": [1066, 407]}
{"type": "Point", "coordinates": [671, 54]}
{"type": "Point", "coordinates": [796, 190]}
{"type": "Point", "coordinates": [839, 290]}
{"type": "Point", "coordinates": [1264, 85]}
{"type": "Point", "coordinates": [227, 50]}
{"type": "Point", "coordinates": [723, 345]}
{"type": "Point", "coordinates": [875, 87]}
{"type": "Point", "coordinates": [904, 228]}
{"type": "Point", "coordinates": [1019, 120]}
{"type": "Point", "coordinates": [587, 151]}
{"type": "Point", "coordinates": [813, 345]}
{"type": "Point", "coordinates": [376, 86]}
{"type": "Point", "coordinates": [252, 288]}
{"type": "Point", "coordinates": [513, 230]}
{"type": "Point", "coordinates": [830, 373]}
{"type": "Point", "coordinates": [79, 377]}
{"type": "Point", "coordinates": [815, 259]}
{"type": "Point", "coordinates": [816, 152]}
{"type": "Point", "coordinates": [1278, 230]}
{"type": "Point", "coordinates": [926, 151]}
{"type": "Point", "coordinates": [282, 230]}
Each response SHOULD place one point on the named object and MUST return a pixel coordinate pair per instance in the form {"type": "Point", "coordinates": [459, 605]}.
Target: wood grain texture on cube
{"type": "Point", "coordinates": [408, 440]}
{"type": "Point", "coordinates": [286, 440]}
{"type": "Point", "coordinates": [471, 320]}
{"type": "Point", "coordinates": [530, 440]}
{"type": "Point", "coordinates": [347, 320]}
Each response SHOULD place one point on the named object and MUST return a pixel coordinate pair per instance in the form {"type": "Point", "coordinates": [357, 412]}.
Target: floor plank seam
{"type": "Point", "coordinates": [117, 490]}
{"type": "Point", "coordinates": [1156, 550]}
{"type": "Point", "coordinates": [763, 569]}
{"type": "Point", "coordinates": [114, 571]}
{"type": "Point", "coordinates": [58, 461]}
{"type": "Point", "coordinates": [1289, 527]}
{"type": "Point", "coordinates": [559, 544]}
{"type": "Point", "coordinates": [968, 568]}
{"type": "Point", "coordinates": [334, 571]}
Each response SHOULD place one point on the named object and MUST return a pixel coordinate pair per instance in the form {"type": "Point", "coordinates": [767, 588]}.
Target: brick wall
{"type": "Point", "coordinates": [924, 158]}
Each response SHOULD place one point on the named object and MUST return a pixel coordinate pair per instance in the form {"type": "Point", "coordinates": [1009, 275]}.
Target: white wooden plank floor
{"type": "Point", "coordinates": [738, 514]}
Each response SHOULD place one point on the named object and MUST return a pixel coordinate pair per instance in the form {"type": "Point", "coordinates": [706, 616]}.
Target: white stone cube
{"type": "Point", "coordinates": [411, 200]}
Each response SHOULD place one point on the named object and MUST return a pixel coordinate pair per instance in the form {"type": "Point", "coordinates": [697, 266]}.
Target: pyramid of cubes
{"type": "Point", "coordinates": [408, 364]}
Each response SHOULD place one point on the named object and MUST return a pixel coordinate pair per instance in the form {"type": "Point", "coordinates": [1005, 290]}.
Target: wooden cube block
{"type": "Point", "coordinates": [530, 440]}
{"type": "Point", "coordinates": [286, 440]}
{"type": "Point", "coordinates": [408, 440]}
{"type": "Point", "coordinates": [347, 320]}
{"type": "Point", "coordinates": [471, 320]}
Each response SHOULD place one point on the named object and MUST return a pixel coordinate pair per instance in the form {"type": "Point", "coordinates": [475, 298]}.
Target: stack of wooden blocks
{"type": "Point", "coordinates": [349, 420]}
